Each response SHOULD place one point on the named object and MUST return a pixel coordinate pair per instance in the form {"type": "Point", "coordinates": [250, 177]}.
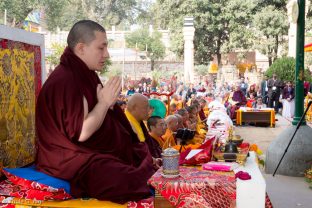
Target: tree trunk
{"type": "Point", "coordinates": [218, 52]}
{"type": "Point", "coordinates": [152, 64]}
{"type": "Point", "coordinates": [275, 48]}
{"type": "Point", "coordinates": [270, 60]}
{"type": "Point", "coordinates": [219, 58]}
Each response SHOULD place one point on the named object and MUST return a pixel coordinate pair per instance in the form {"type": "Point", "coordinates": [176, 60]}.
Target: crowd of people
{"type": "Point", "coordinates": [270, 93]}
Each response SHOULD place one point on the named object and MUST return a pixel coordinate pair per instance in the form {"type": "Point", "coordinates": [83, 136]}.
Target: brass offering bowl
{"type": "Point", "coordinates": [237, 140]}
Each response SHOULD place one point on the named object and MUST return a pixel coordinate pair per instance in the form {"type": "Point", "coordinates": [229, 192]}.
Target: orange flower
{"type": "Point", "coordinates": [253, 147]}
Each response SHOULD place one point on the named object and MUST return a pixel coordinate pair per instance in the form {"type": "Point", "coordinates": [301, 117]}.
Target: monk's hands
{"type": "Point", "coordinates": [157, 163]}
{"type": "Point", "coordinates": [108, 94]}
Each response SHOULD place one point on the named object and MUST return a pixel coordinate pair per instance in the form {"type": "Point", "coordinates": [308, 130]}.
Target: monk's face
{"type": "Point", "coordinates": [160, 128]}
{"type": "Point", "coordinates": [95, 53]}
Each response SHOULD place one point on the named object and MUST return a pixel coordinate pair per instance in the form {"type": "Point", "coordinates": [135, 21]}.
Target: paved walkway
{"type": "Point", "coordinates": [284, 191]}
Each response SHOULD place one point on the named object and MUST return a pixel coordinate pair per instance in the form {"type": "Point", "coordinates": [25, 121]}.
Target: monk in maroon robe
{"type": "Point", "coordinates": [238, 100]}
{"type": "Point", "coordinates": [82, 136]}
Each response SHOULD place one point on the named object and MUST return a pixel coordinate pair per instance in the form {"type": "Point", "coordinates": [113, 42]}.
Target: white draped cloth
{"type": "Point", "coordinates": [288, 108]}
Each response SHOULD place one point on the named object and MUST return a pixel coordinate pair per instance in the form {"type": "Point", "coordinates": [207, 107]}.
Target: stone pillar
{"type": "Point", "coordinates": [188, 33]}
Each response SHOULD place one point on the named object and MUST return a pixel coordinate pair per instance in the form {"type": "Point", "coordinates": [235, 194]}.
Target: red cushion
{"type": "Point", "coordinates": [22, 188]}
{"type": "Point", "coordinates": [202, 157]}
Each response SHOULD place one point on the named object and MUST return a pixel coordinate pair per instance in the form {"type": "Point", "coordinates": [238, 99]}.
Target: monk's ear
{"type": "Point", "coordinates": [79, 49]}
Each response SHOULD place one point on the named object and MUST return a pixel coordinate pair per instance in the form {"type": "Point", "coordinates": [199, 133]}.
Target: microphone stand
{"type": "Point", "coordinates": [297, 127]}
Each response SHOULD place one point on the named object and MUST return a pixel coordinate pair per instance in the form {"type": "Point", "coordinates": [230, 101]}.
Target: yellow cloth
{"type": "Point", "coordinates": [309, 113]}
{"type": "Point", "coordinates": [169, 139]}
{"type": "Point", "coordinates": [239, 119]}
{"type": "Point", "coordinates": [17, 105]}
{"type": "Point", "coordinates": [206, 111]}
{"type": "Point", "coordinates": [178, 103]}
{"type": "Point", "coordinates": [160, 140]}
{"type": "Point", "coordinates": [185, 147]}
{"type": "Point", "coordinates": [77, 203]}
{"type": "Point", "coordinates": [135, 126]}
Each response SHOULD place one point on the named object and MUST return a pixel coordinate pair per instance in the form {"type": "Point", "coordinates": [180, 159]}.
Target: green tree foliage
{"type": "Point", "coordinates": [284, 68]}
{"type": "Point", "coordinates": [142, 40]}
{"type": "Point", "coordinates": [64, 13]}
{"type": "Point", "coordinates": [201, 70]}
{"type": "Point", "coordinates": [107, 65]}
{"type": "Point", "coordinates": [57, 51]}
{"type": "Point", "coordinates": [279, 4]}
{"type": "Point", "coordinates": [271, 25]}
{"type": "Point", "coordinates": [216, 23]}
{"type": "Point", "coordinates": [112, 12]}
{"type": "Point", "coordinates": [18, 10]}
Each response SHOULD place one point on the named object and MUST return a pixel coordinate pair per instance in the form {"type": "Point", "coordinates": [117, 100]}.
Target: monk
{"type": "Point", "coordinates": [180, 121]}
{"type": "Point", "coordinates": [137, 112]}
{"type": "Point", "coordinates": [157, 128]}
{"type": "Point", "coordinates": [235, 101]}
{"type": "Point", "coordinates": [176, 99]}
{"type": "Point", "coordinates": [82, 135]}
{"type": "Point", "coordinates": [172, 127]}
{"type": "Point", "coordinates": [203, 106]}
{"type": "Point", "coordinates": [186, 119]}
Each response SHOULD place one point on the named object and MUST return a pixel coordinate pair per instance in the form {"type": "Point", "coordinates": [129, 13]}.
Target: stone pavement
{"type": "Point", "coordinates": [284, 191]}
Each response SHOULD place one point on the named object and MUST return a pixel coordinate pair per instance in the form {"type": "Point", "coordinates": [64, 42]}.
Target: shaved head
{"type": "Point", "coordinates": [171, 118]}
{"type": "Point", "coordinates": [172, 122]}
{"type": "Point", "coordinates": [180, 120]}
{"type": "Point", "coordinates": [83, 32]}
{"type": "Point", "coordinates": [136, 99]}
{"type": "Point", "coordinates": [138, 106]}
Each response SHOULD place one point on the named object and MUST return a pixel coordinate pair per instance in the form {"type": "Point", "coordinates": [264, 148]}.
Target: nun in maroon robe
{"type": "Point", "coordinates": [112, 164]}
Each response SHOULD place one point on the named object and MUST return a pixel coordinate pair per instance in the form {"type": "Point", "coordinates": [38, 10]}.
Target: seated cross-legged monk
{"type": "Point", "coordinates": [82, 135]}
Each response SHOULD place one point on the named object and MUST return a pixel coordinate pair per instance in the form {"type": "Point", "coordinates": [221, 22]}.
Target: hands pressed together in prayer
{"type": "Point", "coordinates": [107, 97]}
{"type": "Point", "coordinates": [109, 93]}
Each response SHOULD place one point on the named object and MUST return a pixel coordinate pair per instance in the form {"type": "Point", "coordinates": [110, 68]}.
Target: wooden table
{"type": "Point", "coordinates": [255, 116]}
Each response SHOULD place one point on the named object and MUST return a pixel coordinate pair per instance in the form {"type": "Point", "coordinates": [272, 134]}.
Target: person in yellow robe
{"type": "Point", "coordinates": [172, 126]}
{"type": "Point", "coordinates": [176, 99]}
{"type": "Point", "coordinates": [306, 101]}
{"type": "Point", "coordinates": [195, 121]}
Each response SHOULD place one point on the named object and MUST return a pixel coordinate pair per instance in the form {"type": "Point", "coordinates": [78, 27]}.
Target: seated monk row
{"type": "Point", "coordinates": [164, 130]}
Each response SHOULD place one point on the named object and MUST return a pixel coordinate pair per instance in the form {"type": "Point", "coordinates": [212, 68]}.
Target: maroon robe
{"type": "Point", "coordinates": [112, 164]}
{"type": "Point", "coordinates": [153, 145]}
{"type": "Point", "coordinates": [238, 96]}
